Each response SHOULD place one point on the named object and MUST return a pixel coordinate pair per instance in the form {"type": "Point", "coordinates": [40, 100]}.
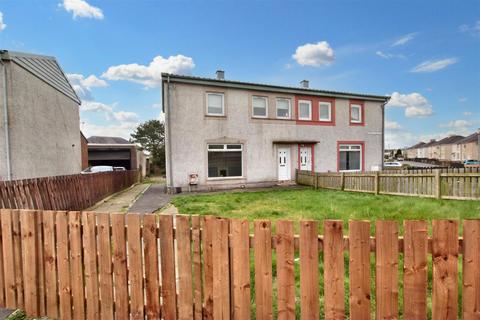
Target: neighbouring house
{"type": "Point", "coordinates": [116, 152]}
{"type": "Point", "coordinates": [224, 134]}
{"type": "Point", "coordinates": [414, 151]}
{"type": "Point", "coordinates": [444, 148]}
{"type": "Point", "coordinates": [39, 118]}
{"type": "Point", "coordinates": [84, 144]}
{"type": "Point", "coordinates": [469, 147]}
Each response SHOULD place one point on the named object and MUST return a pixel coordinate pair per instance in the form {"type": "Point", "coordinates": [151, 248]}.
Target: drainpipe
{"type": "Point", "coordinates": [5, 120]}
{"type": "Point", "coordinates": [169, 144]}
{"type": "Point", "coordinates": [383, 133]}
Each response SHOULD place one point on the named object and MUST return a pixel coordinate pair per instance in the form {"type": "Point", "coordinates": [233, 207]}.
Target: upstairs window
{"type": "Point", "coordinates": [304, 110]}
{"type": "Point", "coordinates": [283, 108]}
{"type": "Point", "coordinates": [350, 157]}
{"type": "Point", "coordinates": [356, 113]}
{"type": "Point", "coordinates": [215, 104]}
{"type": "Point", "coordinates": [260, 106]}
{"type": "Point", "coordinates": [325, 113]}
{"type": "Point", "coordinates": [224, 160]}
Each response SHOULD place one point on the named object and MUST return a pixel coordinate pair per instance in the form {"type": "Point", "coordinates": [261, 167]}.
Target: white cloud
{"type": "Point", "coordinates": [314, 54]}
{"type": "Point", "coordinates": [467, 113]}
{"type": "Point", "coordinates": [112, 130]}
{"type": "Point", "coordinates": [83, 86]}
{"type": "Point", "coordinates": [401, 138]}
{"type": "Point", "coordinates": [2, 24]}
{"type": "Point", "coordinates": [82, 9]}
{"type": "Point", "coordinates": [459, 124]}
{"type": "Point", "coordinates": [109, 112]}
{"type": "Point", "coordinates": [392, 125]}
{"type": "Point", "coordinates": [151, 75]}
{"type": "Point", "coordinates": [434, 65]}
{"type": "Point", "coordinates": [474, 29]}
{"type": "Point", "coordinates": [416, 105]}
{"type": "Point", "coordinates": [385, 55]}
{"type": "Point", "coordinates": [125, 116]}
{"type": "Point", "coordinates": [404, 39]}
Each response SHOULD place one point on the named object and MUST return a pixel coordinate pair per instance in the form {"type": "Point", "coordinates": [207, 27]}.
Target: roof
{"type": "Point", "coordinates": [449, 140]}
{"type": "Point", "coordinates": [45, 68]}
{"type": "Point", "coordinates": [268, 87]}
{"type": "Point", "coordinates": [471, 138]}
{"type": "Point", "coordinates": [108, 140]}
{"type": "Point", "coordinates": [416, 146]}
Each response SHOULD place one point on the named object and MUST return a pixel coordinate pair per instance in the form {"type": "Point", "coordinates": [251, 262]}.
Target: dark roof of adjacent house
{"type": "Point", "coordinates": [107, 140]}
{"type": "Point", "coordinates": [268, 87]}
{"type": "Point", "coordinates": [45, 68]}
{"type": "Point", "coordinates": [449, 140]}
{"type": "Point", "coordinates": [471, 138]}
{"type": "Point", "coordinates": [418, 145]}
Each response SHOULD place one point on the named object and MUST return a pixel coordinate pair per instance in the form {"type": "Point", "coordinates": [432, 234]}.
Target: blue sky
{"type": "Point", "coordinates": [423, 53]}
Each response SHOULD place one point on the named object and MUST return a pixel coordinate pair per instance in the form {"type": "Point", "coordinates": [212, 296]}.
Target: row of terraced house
{"type": "Point", "coordinates": [453, 148]}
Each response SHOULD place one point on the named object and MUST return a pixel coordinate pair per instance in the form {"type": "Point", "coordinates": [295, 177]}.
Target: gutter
{"type": "Point", "coordinates": [5, 120]}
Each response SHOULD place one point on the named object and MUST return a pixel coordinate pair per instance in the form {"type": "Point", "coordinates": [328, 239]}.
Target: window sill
{"type": "Point", "coordinates": [215, 116]}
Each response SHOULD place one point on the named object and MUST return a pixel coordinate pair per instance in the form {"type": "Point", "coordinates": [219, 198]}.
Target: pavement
{"type": "Point", "coordinates": [121, 201]}
{"type": "Point", "coordinates": [418, 164]}
{"type": "Point", "coordinates": [151, 199]}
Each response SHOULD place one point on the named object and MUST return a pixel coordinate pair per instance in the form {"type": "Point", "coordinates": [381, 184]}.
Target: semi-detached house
{"type": "Point", "coordinates": [224, 134]}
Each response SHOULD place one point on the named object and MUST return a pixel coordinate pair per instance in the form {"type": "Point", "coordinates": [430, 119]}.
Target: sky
{"type": "Point", "coordinates": [425, 54]}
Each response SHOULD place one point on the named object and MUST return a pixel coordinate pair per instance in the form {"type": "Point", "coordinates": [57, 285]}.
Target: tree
{"type": "Point", "coordinates": [150, 135]}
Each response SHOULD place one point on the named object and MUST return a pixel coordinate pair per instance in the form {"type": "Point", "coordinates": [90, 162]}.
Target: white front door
{"type": "Point", "coordinates": [284, 164]}
{"type": "Point", "coordinates": [306, 158]}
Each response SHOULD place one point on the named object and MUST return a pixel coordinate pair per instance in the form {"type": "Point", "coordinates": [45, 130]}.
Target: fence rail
{"type": "Point", "coordinates": [72, 192]}
{"type": "Point", "coordinates": [86, 265]}
{"type": "Point", "coordinates": [459, 184]}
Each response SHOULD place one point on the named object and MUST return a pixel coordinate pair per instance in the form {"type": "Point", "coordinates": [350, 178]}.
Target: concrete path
{"type": "Point", "coordinates": [151, 200]}
{"type": "Point", "coordinates": [120, 202]}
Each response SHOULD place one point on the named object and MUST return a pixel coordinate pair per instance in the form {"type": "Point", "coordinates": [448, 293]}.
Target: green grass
{"type": "Point", "coordinates": [298, 204]}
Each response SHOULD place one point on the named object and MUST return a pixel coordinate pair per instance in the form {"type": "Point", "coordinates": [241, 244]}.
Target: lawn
{"type": "Point", "coordinates": [298, 204]}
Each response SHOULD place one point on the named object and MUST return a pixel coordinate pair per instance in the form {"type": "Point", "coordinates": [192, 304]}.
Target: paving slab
{"type": "Point", "coordinates": [151, 199]}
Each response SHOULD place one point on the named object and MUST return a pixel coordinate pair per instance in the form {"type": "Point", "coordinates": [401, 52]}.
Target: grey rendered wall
{"type": "Point", "coordinates": [3, 159]}
{"type": "Point", "coordinates": [191, 130]}
{"type": "Point", "coordinates": [44, 127]}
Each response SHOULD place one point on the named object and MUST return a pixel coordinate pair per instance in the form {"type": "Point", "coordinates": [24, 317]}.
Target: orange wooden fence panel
{"type": "Point", "coordinates": [106, 266]}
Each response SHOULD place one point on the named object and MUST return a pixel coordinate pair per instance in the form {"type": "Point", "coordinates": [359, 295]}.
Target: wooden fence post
{"type": "Point", "coordinates": [377, 182]}
{"type": "Point", "coordinates": [438, 184]}
{"type": "Point", "coordinates": [342, 181]}
{"type": "Point", "coordinates": [315, 176]}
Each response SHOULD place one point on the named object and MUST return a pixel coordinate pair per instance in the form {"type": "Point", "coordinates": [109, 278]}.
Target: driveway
{"type": "Point", "coordinates": [151, 200]}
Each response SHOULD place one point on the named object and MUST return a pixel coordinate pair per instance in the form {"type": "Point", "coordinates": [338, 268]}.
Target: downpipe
{"type": "Point", "coordinates": [5, 121]}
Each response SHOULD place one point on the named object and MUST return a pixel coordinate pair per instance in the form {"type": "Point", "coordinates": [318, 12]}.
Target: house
{"type": "Point", "coordinates": [444, 147]}
{"type": "Point", "coordinates": [116, 152]}
{"type": "Point", "coordinates": [39, 118]}
{"type": "Point", "coordinates": [224, 134]}
{"type": "Point", "coordinates": [414, 151]}
{"type": "Point", "coordinates": [469, 147]}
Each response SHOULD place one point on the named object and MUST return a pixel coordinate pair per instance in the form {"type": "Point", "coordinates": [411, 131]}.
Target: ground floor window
{"type": "Point", "coordinates": [350, 157]}
{"type": "Point", "coordinates": [224, 160]}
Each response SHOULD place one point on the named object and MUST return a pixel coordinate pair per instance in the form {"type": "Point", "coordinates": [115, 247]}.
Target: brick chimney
{"type": "Point", "coordinates": [304, 84]}
{"type": "Point", "coordinates": [220, 75]}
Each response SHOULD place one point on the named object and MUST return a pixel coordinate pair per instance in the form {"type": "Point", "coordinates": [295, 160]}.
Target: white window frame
{"type": "Point", "coordinates": [310, 110]}
{"type": "Point", "coordinates": [266, 106]}
{"type": "Point", "coordinates": [360, 114]}
{"type": "Point", "coordinates": [289, 108]}
{"type": "Point", "coordinates": [329, 104]}
{"type": "Point", "coordinates": [349, 146]}
{"type": "Point", "coordinates": [223, 104]}
{"type": "Point", "coordinates": [225, 150]}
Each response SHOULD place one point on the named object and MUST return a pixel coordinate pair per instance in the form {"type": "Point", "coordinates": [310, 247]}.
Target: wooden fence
{"type": "Point", "coordinates": [72, 192]}
{"type": "Point", "coordinates": [460, 184]}
{"type": "Point", "coordinates": [85, 265]}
